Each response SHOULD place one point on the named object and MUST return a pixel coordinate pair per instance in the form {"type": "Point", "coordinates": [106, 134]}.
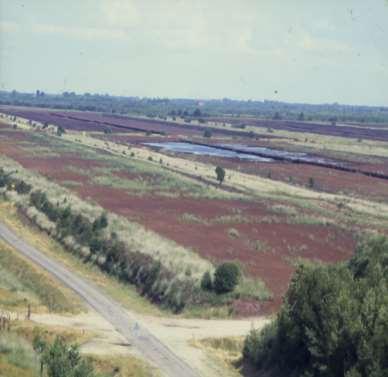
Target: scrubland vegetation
{"type": "Point", "coordinates": [169, 276]}
{"type": "Point", "coordinates": [333, 322]}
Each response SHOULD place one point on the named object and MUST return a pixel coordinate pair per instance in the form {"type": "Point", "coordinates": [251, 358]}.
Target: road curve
{"type": "Point", "coordinates": [137, 335]}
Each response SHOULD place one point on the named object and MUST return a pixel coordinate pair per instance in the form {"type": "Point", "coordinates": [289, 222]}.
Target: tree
{"type": "Point", "coordinates": [301, 116]}
{"type": "Point", "coordinates": [226, 277]}
{"type": "Point", "coordinates": [207, 133]}
{"type": "Point", "coordinates": [100, 223]}
{"type": "Point", "coordinates": [206, 282]}
{"type": "Point", "coordinates": [277, 116]}
{"type": "Point", "coordinates": [60, 130]}
{"type": "Point", "coordinates": [220, 172]}
{"type": "Point", "coordinates": [333, 121]}
{"type": "Point", "coordinates": [197, 113]}
{"type": "Point", "coordinates": [334, 320]}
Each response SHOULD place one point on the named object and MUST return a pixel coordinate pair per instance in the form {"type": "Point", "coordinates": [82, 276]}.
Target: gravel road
{"type": "Point", "coordinates": [136, 333]}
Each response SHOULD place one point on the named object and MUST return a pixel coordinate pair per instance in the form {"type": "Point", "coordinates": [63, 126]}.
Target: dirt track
{"type": "Point", "coordinates": [136, 334]}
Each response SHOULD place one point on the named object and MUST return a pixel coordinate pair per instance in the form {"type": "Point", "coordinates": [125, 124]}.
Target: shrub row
{"type": "Point", "coordinates": [114, 257]}
{"type": "Point", "coordinates": [93, 243]}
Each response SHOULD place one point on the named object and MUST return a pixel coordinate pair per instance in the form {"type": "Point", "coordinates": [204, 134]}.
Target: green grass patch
{"type": "Point", "coordinates": [17, 358]}
{"type": "Point", "coordinates": [20, 276]}
{"type": "Point", "coordinates": [190, 218]}
{"type": "Point", "coordinates": [252, 289]}
{"type": "Point", "coordinates": [70, 184]}
{"type": "Point", "coordinates": [136, 186]}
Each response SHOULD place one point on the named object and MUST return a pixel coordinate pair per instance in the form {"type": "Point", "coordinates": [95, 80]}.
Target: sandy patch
{"type": "Point", "coordinates": [105, 339]}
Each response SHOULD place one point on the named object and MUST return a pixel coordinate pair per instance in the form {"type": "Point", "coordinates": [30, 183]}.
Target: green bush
{"type": "Point", "coordinates": [226, 277]}
{"type": "Point", "coordinates": [60, 359]}
{"type": "Point", "coordinates": [220, 173]}
{"type": "Point", "coordinates": [334, 321]}
{"type": "Point", "coordinates": [22, 187]}
{"type": "Point", "coordinates": [6, 180]}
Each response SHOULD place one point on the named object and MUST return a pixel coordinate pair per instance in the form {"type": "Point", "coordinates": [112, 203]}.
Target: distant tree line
{"type": "Point", "coordinates": [195, 109]}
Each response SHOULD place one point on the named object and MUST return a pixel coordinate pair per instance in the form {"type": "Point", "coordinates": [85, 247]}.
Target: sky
{"type": "Point", "coordinates": [310, 51]}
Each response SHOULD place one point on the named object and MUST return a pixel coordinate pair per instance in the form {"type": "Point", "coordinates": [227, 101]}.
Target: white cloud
{"type": "Point", "coordinates": [78, 32]}
{"type": "Point", "coordinates": [182, 25]}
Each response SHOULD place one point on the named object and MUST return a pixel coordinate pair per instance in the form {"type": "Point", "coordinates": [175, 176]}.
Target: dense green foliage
{"type": "Point", "coordinates": [58, 359]}
{"type": "Point", "coordinates": [191, 108]}
{"type": "Point", "coordinates": [334, 321]}
{"type": "Point", "coordinates": [226, 277]}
